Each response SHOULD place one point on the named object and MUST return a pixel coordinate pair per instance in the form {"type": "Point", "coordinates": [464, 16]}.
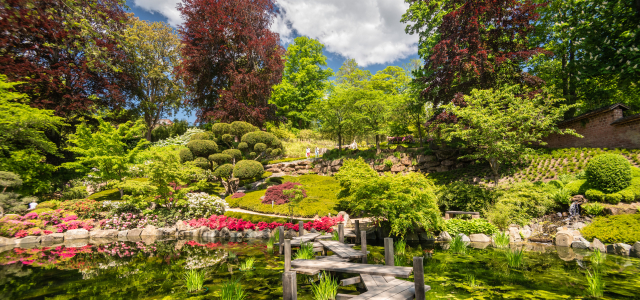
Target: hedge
{"type": "Point", "coordinates": [609, 173]}
{"type": "Point", "coordinates": [202, 148]}
{"type": "Point", "coordinates": [247, 169]}
{"type": "Point", "coordinates": [614, 229]}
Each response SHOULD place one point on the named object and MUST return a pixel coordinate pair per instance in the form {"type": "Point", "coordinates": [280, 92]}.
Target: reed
{"type": "Point", "coordinates": [597, 257]}
{"type": "Point", "coordinates": [247, 264]}
{"type": "Point", "coordinates": [502, 240]}
{"type": "Point", "coordinates": [305, 251]}
{"type": "Point", "coordinates": [471, 280]}
{"type": "Point", "coordinates": [515, 258]}
{"type": "Point", "coordinates": [232, 290]}
{"type": "Point", "coordinates": [326, 289]}
{"type": "Point", "coordinates": [400, 247]}
{"type": "Point", "coordinates": [194, 280]}
{"type": "Point", "coordinates": [270, 243]}
{"type": "Point", "coordinates": [457, 245]}
{"type": "Point", "coordinates": [595, 284]}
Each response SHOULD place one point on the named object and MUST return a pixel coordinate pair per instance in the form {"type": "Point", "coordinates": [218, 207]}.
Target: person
{"type": "Point", "coordinates": [308, 152]}
{"type": "Point", "coordinates": [317, 151]}
{"type": "Point", "coordinates": [32, 205]}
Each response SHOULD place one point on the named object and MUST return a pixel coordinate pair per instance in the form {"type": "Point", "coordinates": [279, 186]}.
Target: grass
{"type": "Point", "coordinates": [248, 264]}
{"type": "Point", "coordinates": [258, 218]}
{"type": "Point", "coordinates": [232, 290]}
{"type": "Point", "coordinates": [398, 260]}
{"type": "Point", "coordinates": [326, 289]}
{"type": "Point", "coordinates": [277, 161]}
{"type": "Point", "coordinates": [597, 257]}
{"type": "Point", "coordinates": [471, 280]}
{"type": "Point", "coordinates": [457, 245]}
{"type": "Point", "coordinates": [194, 280]}
{"type": "Point", "coordinates": [502, 240]}
{"type": "Point", "coordinates": [595, 285]}
{"type": "Point", "coordinates": [299, 148]}
{"type": "Point", "coordinates": [321, 198]}
{"type": "Point", "coordinates": [515, 258]}
{"type": "Point", "coordinates": [305, 251]}
{"type": "Point", "coordinates": [400, 247]}
{"type": "Point", "coordinates": [335, 236]}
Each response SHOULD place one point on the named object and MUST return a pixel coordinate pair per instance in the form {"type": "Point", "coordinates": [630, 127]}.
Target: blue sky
{"type": "Point", "coordinates": [367, 30]}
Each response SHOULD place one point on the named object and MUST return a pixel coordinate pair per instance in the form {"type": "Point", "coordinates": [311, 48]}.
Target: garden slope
{"type": "Point", "coordinates": [321, 198]}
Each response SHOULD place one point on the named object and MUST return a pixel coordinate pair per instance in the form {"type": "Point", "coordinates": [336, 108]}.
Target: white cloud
{"type": "Point", "coordinates": [367, 30]}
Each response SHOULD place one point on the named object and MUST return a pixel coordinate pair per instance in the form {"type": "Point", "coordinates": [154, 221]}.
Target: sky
{"type": "Point", "coordinates": [368, 31]}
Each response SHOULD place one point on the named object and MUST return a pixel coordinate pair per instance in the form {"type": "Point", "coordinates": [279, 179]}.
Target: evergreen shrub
{"type": "Point", "coordinates": [260, 147]}
{"type": "Point", "coordinates": [253, 138]}
{"type": "Point", "coordinates": [242, 146]}
{"type": "Point", "coordinates": [239, 128]}
{"type": "Point", "coordinates": [473, 226]}
{"type": "Point", "coordinates": [201, 163]}
{"type": "Point", "coordinates": [609, 172]}
{"type": "Point", "coordinates": [594, 195]}
{"type": "Point", "coordinates": [223, 171]}
{"type": "Point", "coordinates": [220, 129]}
{"type": "Point", "coordinates": [202, 148]}
{"type": "Point", "coordinates": [234, 153]}
{"type": "Point", "coordinates": [614, 229]}
{"type": "Point", "coordinates": [248, 169]}
{"type": "Point", "coordinates": [203, 136]}
{"type": "Point", "coordinates": [185, 155]}
{"type": "Point", "coordinates": [221, 158]}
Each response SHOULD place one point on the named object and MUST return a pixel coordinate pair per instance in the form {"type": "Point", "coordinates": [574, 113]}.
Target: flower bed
{"type": "Point", "coordinates": [220, 222]}
{"type": "Point", "coordinates": [42, 224]}
{"type": "Point", "coordinates": [126, 221]}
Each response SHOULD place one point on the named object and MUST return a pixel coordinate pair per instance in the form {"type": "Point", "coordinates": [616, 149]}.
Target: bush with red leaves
{"type": "Point", "coordinates": [238, 195]}
{"type": "Point", "coordinates": [276, 195]}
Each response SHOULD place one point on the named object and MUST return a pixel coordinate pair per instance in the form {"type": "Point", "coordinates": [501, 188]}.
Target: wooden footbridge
{"type": "Point", "coordinates": [380, 281]}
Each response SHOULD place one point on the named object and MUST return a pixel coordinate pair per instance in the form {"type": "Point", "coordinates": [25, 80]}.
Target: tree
{"type": "Point", "coordinates": [104, 155]}
{"type": "Point", "coordinates": [304, 81]}
{"type": "Point", "coordinates": [480, 44]}
{"type": "Point", "coordinates": [230, 58]}
{"type": "Point", "coordinates": [153, 51]}
{"type": "Point", "coordinates": [350, 73]}
{"type": "Point", "coordinates": [595, 51]}
{"type": "Point", "coordinates": [501, 124]}
{"type": "Point", "coordinates": [335, 114]}
{"type": "Point", "coordinates": [66, 51]}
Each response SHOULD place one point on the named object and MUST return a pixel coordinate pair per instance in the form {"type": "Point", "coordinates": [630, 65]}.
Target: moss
{"type": "Point", "coordinates": [614, 229]}
{"type": "Point", "coordinates": [321, 198]}
{"type": "Point", "coordinates": [111, 194]}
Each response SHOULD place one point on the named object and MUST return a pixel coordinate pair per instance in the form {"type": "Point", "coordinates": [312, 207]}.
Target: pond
{"type": "Point", "coordinates": [135, 270]}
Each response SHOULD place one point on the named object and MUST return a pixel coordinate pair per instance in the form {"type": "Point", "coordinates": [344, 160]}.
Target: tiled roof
{"type": "Point", "coordinates": [626, 119]}
{"type": "Point", "coordinates": [595, 112]}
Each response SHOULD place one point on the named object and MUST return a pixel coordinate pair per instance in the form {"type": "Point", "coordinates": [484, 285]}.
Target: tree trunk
{"type": "Point", "coordinates": [377, 144]}
{"type": "Point", "coordinates": [419, 133]}
{"type": "Point", "coordinates": [149, 132]}
{"type": "Point", "coordinates": [340, 141]}
{"type": "Point", "coordinates": [121, 192]}
{"type": "Point", "coordinates": [495, 167]}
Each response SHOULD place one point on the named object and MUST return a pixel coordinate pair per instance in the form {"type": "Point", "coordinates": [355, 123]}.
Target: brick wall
{"type": "Point", "coordinates": [598, 132]}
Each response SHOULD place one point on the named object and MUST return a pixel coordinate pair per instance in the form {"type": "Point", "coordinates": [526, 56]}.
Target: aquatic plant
{"type": "Point", "coordinates": [595, 284]}
{"type": "Point", "coordinates": [270, 243]}
{"type": "Point", "coordinates": [194, 280]}
{"type": "Point", "coordinates": [457, 245]}
{"type": "Point", "coordinates": [248, 264]}
{"type": "Point", "coordinates": [232, 255]}
{"type": "Point", "coordinates": [398, 260]}
{"type": "Point", "coordinates": [515, 258]}
{"type": "Point", "coordinates": [471, 280]}
{"type": "Point", "coordinates": [305, 251]}
{"type": "Point", "coordinates": [232, 290]}
{"type": "Point", "coordinates": [335, 236]}
{"type": "Point", "coordinates": [502, 240]}
{"type": "Point", "coordinates": [276, 235]}
{"type": "Point", "coordinates": [400, 247]}
{"type": "Point", "coordinates": [326, 289]}
{"type": "Point", "coordinates": [597, 257]}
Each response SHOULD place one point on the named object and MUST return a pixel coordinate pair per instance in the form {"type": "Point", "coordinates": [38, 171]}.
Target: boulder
{"type": "Point", "coordinates": [289, 169]}
{"type": "Point", "coordinates": [580, 243]}
{"type": "Point", "coordinates": [406, 161]}
{"type": "Point", "coordinates": [182, 225]}
{"type": "Point", "coordinates": [257, 234]}
{"type": "Point", "coordinates": [397, 168]}
{"type": "Point", "coordinates": [465, 238]}
{"type": "Point", "coordinates": [28, 240]}
{"type": "Point", "coordinates": [345, 217]}
{"type": "Point", "coordinates": [611, 249]}
{"type": "Point", "coordinates": [171, 231]}
{"type": "Point", "coordinates": [442, 169]}
{"type": "Point", "coordinates": [425, 158]}
{"type": "Point", "coordinates": [225, 232]}
{"type": "Point", "coordinates": [514, 235]}
{"type": "Point", "coordinates": [448, 163]}
{"type": "Point", "coordinates": [564, 239]}
{"type": "Point", "coordinates": [188, 234]}
{"type": "Point", "coordinates": [236, 234]}
{"type": "Point", "coordinates": [122, 234]}
{"type": "Point", "coordinates": [526, 232]}
{"type": "Point", "coordinates": [111, 233]}
{"type": "Point", "coordinates": [622, 249]}
{"type": "Point", "coordinates": [76, 234]}
{"type": "Point", "coordinates": [134, 233]}
{"type": "Point", "coordinates": [381, 168]}
{"type": "Point", "coordinates": [479, 238]}
{"type": "Point", "coordinates": [635, 250]}
{"type": "Point", "coordinates": [597, 244]}
{"type": "Point", "coordinates": [302, 172]}
{"type": "Point", "coordinates": [210, 235]}
{"type": "Point", "coordinates": [150, 230]}
{"type": "Point", "coordinates": [7, 241]}
{"type": "Point", "coordinates": [337, 162]}
{"type": "Point", "coordinates": [444, 237]}
{"type": "Point", "coordinates": [52, 238]}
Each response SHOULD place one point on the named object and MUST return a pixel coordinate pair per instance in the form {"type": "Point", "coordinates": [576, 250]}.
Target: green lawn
{"type": "Point", "coordinates": [321, 198]}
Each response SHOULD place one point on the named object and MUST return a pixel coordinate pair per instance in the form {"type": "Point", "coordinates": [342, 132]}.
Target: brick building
{"type": "Point", "coordinates": [605, 127]}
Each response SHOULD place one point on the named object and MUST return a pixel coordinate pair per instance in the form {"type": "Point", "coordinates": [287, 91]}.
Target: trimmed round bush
{"type": "Point", "coordinates": [186, 155]}
{"type": "Point", "coordinates": [275, 152]}
{"type": "Point", "coordinates": [223, 171]}
{"type": "Point", "coordinates": [201, 163]}
{"type": "Point", "coordinates": [202, 148]}
{"type": "Point", "coordinates": [614, 198]}
{"type": "Point", "coordinates": [227, 138]}
{"type": "Point", "coordinates": [248, 169]}
{"type": "Point", "coordinates": [239, 128]}
{"type": "Point", "coordinates": [594, 195]}
{"type": "Point", "coordinates": [221, 158]}
{"type": "Point", "coordinates": [242, 146]}
{"type": "Point", "coordinates": [252, 154]}
{"type": "Point", "coordinates": [235, 153]}
{"type": "Point", "coordinates": [609, 172]}
{"type": "Point", "coordinates": [220, 129]}
{"type": "Point", "coordinates": [253, 138]}
{"type": "Point", "coordinates": [260, 147]}
{"type": "Point", "coordinates": [203, 136]}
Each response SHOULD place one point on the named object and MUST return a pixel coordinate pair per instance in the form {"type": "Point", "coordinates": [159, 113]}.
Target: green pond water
{"type": "Point", "coordinates": [129, 270]}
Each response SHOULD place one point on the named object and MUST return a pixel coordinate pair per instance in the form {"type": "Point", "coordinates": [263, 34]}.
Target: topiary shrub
{"type": "Point", "coordinates": [594, 195]}
{"type": "Point", "coordinates": [235, 153]}
{"type": "Point", "coordinates": [256, 137]}
{"type": "Point", "coordinates": [276, 152]}
{"type": "Point", "coordinates": [260, 147]}
{"type": "Point", "coordinates": [201, 163]}
{"type": "Point", "coordinates": [223, 171]}
{"type": "Point", "coordinates": [208, 136]}
{"type": "Point", "coordinates": [220, 129]}
{"type": "Point", "coordinates": [614, 229]}
{"type": "Point", "coordinates": [221, 158]}
{"type": "Point", "coordinates": [248, 169]}
{"type": "Point", "coordinates": [186, 155]}
{"type": "Point", "coordinates": [227, 138]}
{"type": "Point", "coordinates": [276, 195]}
{"type": "Point", "coordinates": [609, 172]}
{"type": "Point", "coordinates": [242, 146]}
{"type": "Point", "coordinates": [202, 148]}
{"type": "Point", "coordinates": [239, 128]}
{"type": "Point", "coordinates": [252, 154]}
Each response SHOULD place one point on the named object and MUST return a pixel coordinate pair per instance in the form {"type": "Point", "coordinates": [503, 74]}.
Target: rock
{"type": "Point", "coordinates": [597, 244]}
{"type": "Point", "coordinates": [236, 234]}
{"type": "Point", "coordinates": [257, 234]}
{"type": "Point", "coordinates": [397, 168]}
{"type": "Point", "coordinates": [289, 169]}
{"type": "Point", "coordinates": [150, 230]}
{"type": "Point", "coordinates": [345, 216]}
{"type": "Point", "coordinates": [564, 239]}
{"type": "Point", "coordinates": [465, 238]}
{"type": "Point", "coordinates": [122, 234]}
{"type": "Point", "coordinates": [611, 249]}
{"type": "Point", "coordinates": [52, 238]}
{"type": "Point", "coordinates": [565, 253]}
{"type": "Point", "coordinates": [225, 232]}
{"type": "Point", "coordinates": [425, 158]}
{"type": "Point", "coordinates": [75, 243]}
{"type": "Point", "coordinates": [442, 169]}
{"type": "Point", "coordinates": [579, 199]}
{"type": "Point", "coordinates": [580, 244]}
{"type": "Point", "coordinates": [406, 161]}
{"type": "Point", "coordinates": [526, 232]}
{"type": "Point", "coordinates": [444, 237]}
{"type": "Point", "coordinates": [635, 250]}
{"type": "Point", "coordinates": [302, 172]}
{"type": "Point", "coordinates": [381, 168]}
{"type": "Point", "coordinates": [134, 233]}
{"type": "Point", "coordinates": [448, 163]}
{"type": "Point", "coordinates": [622, 249]}
{"type": "Point", "coordinates": [210, 235]}
{"type": "Point", "coordinates": [111, 233]}
{"type": "Point", "coordinates": [578, 225]}
{"type": "Point", "coordinates": [182, 226]}
{"type": "Point", "coordinates": [188, 233]}
{"type": "Point", "coordinates": [28, 240]}
{"type": "Point", "coordinates": [337, 162]}
{"type": "Point", "coordinates": [478, 245]}
{"type": "Point", "coordinates": [514, 235]}
{"type": "Point", "coordinates": [479, 238]}
{"type": "Point", "coordinates": [171, 231]}
{"type": "Point", "coordinates": [76, 234]}
{"type": "Point", "coordinates": [7, 241]}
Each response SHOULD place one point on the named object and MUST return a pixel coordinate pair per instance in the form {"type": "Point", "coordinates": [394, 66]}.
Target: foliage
{"type": "Point", "coordinates": [295, 194]}
{"type": "Point", "coordinates": [614, 229]}
{"type": "Point", "coordinates": [276, 195]}
{"type": "Point", "coordinates": [609, 173]}
{"type": "Point", "coordinates": [502, 240]}
{"type": "Point", "coordinates": [230, 83]}
{"type": "Point", "coordinates": [180, 140]}
{"type": "Point", "coordinates": [303, 81]}
{"type": "Point", "coordinates": [13, 203]}
{"type": "Point", "coordinates": [457, 245]}
{"type": "Point", "coordinates": [247, 265]}
{"type": "Point", "coordinates": [321, 198]}
{"type": "Point", "coordinates": [194, 280]}
{"type": "Point", "coordinates": [220, 129]}
{"type": "Point", "coordinates": [83, 208]}
{"type": "Point", "coordinates": [179, 127]}
{"type": "Point", "coordinates": [400, 247]}
{"type": "Point", "coordinates": [463, 196]}
{"type": "Point", "coordinates": [354, 172]}
{"type": "Point", "coordinates": [232, 290]}
{"type": "Point", "coordinates": [224, 171]}
{"type": "Point", "coordinates": [202, 205]}
{"type": "Point", "coordinates": [596, 284]}
{"type": "Point", "coordinates": [336, 113]}
{"type": "Point", "coordinates": [221, 158]}
{"type": "Point", "coordinates": [203, 136]}
{"type": "Point", "coordinates": [153, 51]}
{"type": "Point", "coordinates": [562, 196]}
{"type": "Point", "coordinates": [406, 201]}
{"type": "Point", "coordinates": [9, 180]}
{"type": "Point", "coordinates": [468, 227]}
{"type": "Point", "coordinates": [71, 63]}
{"type": "Point", "coordinates": [326, 289]}
{"type": "Point", "coordinates": [235, 153]}
{"type": "Point", "coordinates": [245, 169]}
{"type": "Point", "coordinates": [169, 178]}
{"type": "Point", "coordinates": [592, 208]}
{"type": "Point", "coordinates": [305, 251]}
{"type": "Point", "coordinates": [240, 128]}
{"type": "Point", "coordinates": [127, 221]}
{"type": "Point", "coordinates": [185, 155]}
{"type": "Point", "coordinates": [501, 125]}
{"type": "Point", "coordinates": [515, 258]}
{"type": "Point", "coordinates": [518, 204]}
{"type": "Point", "coordinates": [202, 148]}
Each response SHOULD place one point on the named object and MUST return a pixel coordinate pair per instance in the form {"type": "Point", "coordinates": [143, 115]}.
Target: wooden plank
{"type": "Point", "coordinates": [385, 291]}
{"type": "Point", "coordinates": [392, 292]}
{"type": "Point", "coordinates": [379, 280]}
{"type": "Point", "coordinates": [368, 281]}
{"type": "Point", "coordinates": [306, 271]}
{"type": "Point", "coordinates": [341, 249]}
{"type": "Point", "coordinates": [350, 281]}
{"type": "Point", "coordinates": [389, 278]}
{"type": "Point", "coordinates": [347, 267]}
{"type": "Point", "coordinates": [345, 296]}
